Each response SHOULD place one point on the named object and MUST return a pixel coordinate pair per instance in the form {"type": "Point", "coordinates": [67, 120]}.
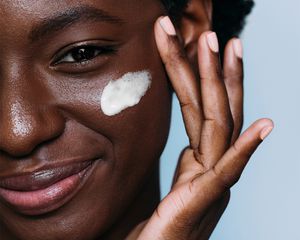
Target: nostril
{"type": "Point", "coordinates": [17, 146]}
{"type": "Point", "coordinates": [24, 131]}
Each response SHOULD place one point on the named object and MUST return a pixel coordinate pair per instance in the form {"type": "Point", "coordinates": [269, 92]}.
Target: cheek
{"type": "Point", "coordinates": [133, 117]}
{"type": "Point", "coordinates": [142, 130]}
{"type": "Point", "coordinates": [126, 110]}
{"type": "Point", "coordinates": [135, 110]}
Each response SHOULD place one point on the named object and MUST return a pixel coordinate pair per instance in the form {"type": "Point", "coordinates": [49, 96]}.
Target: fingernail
{"type": "Point", "coordinates": [265, 132]}
{"type": "Point", "coordinates": [213, 42]}
{"type": "Point", "coordinates": [167, 26]}
{"type": "Point", "coordinates": [238, 48]}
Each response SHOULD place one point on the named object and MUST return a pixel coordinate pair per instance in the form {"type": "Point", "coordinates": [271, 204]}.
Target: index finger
{"type": "Point", "coordinates": [182, 78]}
{"type": "Point", "coordinates": [212, 185]}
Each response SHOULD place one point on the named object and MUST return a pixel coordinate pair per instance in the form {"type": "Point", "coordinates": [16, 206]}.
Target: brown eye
{"type": "Point", "coordinates": [83, 57]}
{"type": "Point", "coordinates": [81, 54]}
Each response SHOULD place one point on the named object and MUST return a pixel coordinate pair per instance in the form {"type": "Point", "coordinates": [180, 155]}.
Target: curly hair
{"type": "Point", "coordinates": [228, 16]}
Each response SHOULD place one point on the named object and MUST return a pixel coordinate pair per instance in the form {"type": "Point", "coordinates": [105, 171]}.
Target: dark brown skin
{"type": "Point", "coordinates": [62, 120]}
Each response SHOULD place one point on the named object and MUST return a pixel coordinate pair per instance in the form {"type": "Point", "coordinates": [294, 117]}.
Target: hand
{"type": "Point", "coordinates": [212, 109]}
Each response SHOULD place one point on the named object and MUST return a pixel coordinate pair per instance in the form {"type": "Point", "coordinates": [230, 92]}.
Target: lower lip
{"type": "Point", "coordinates": [49, 199]}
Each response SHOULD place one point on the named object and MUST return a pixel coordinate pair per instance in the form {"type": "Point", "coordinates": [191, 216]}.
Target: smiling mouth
{"type": "Point", "coordinates": [44, 191]}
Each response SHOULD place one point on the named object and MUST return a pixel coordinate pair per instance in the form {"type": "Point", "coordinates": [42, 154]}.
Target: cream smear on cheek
{"type": "Point", "coordinates": [125, 92]}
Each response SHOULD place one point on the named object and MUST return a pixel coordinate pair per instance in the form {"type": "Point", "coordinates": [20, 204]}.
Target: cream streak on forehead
{"type": "Point", "coordinates": [125, 92]}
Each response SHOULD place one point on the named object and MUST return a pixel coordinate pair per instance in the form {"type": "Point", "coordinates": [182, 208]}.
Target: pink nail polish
{"type": "Point", "coordinates": [167, 26]}
{"type": "Point", "coordinates": [265, 132]}
{"type": "Point", "coordinates": [212, 41]}
{"type": "Point", "coordinates": [238, 48]}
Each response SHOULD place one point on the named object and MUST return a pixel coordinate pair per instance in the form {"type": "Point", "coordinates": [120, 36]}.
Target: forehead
{"type": "Point", "coordinates": [28, 12]}
{"type": "Point", "coordinates": [20, 18]}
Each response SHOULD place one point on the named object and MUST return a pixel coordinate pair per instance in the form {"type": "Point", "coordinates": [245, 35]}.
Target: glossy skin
{"type": "Point", "coordinates": [50, 113]}
{"type": "Point", "coordinates": [58, 107]}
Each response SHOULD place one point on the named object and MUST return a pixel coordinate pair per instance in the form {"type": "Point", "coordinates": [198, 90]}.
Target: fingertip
{"type": "Point", "coordinates": [208, 55]}
{"type": "Point", "coordinates": [265, 132]}
{"type": "Point", "coordinates": [267, 126]}
{"type": "Point", "coordinates": [238, 48]}
{"type": "Point", "coordinates": [158, 30]}
{"type": "Point", "coordinates": [167, 25]}
{"type": "Point", "coordinates": [159, 19]}
{"type": "Point", "coordinates": [233, 60]}
{"type": "Point", "coordinates": [161, 38]}
{"type": "Point", "coordinates": [264, 122]}
{"type": "Point", "coordinates": [261, 128]}
{"type": "Point", "coordinates": [210, 39]}
{"type": "Point", "coordinates": [256, 133]}
{"type": "Point", "coordinates": [203, 36]}
{"type": "Point", "coordinates": [235, 47]}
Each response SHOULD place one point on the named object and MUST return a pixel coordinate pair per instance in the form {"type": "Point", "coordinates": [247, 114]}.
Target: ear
{"type": "Point", "coordinates": [196, 19]}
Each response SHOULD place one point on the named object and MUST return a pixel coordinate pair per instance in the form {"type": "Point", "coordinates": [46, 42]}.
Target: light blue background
{"type": "Point", "coordinates": [265, 202]}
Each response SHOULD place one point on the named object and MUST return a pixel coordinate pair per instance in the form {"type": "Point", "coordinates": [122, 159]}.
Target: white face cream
{"type": "Point", "coordinates": [125, 92]}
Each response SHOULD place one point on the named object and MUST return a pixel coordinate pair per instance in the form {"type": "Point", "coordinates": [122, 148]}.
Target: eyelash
{"type": "Point", "coordinates": [66, 58]}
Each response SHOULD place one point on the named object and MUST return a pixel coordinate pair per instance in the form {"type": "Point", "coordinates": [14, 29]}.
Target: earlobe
{"type": "Point", "coordinates": [196, 19]}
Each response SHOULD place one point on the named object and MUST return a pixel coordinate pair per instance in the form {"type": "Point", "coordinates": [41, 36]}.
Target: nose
{"type": "Point", "coordinates": [27, 119]}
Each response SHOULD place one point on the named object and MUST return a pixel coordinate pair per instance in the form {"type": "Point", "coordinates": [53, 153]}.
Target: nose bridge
{"type": "Point", "coordinates": [27, 117]}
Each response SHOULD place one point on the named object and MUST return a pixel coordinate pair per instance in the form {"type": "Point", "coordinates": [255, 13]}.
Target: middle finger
{"type": "Point", "coordinates": [218, 123]}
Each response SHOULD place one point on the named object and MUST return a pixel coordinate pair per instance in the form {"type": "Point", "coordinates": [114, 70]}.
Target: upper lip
{"type": "Point", "coordinates": [43, 177]}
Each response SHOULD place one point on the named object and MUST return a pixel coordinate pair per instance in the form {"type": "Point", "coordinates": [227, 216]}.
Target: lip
{"type": "Point", "coordinates": [47, 189]}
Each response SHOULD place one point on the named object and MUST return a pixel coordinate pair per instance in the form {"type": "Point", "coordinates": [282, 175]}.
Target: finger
{"type": "Point", "coordinates": [230, 167]}
{"type": "Point", "coordinates": [218, 124]}
{"type": "Point", "coordinates": [178, 213]}
{"type": "Point", "coordinates": [233, 78]}
{"type": "Point", "coordinates": [182, 78]}
{"type": "Point", "coordinates": [209, 187]}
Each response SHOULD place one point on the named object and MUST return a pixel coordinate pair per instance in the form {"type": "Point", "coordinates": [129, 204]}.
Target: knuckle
{"type": "Point", "coordinates": [175, 56]}
{"type": "Point", "coordinates": [224, 179]}
{"type": "Point", "coordinates": [224, 125]}
{"type": "Point", "coordinates": [240, 152]}
{"type": "Point", "coordinates": [234, 79]}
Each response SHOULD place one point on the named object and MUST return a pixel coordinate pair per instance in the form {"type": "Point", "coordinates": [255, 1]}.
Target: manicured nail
{"type": "Point", "coordinates": [238, 48]}
{"type": "Point", "coordinates": [213, 42]}
{"type": "Point", "coordinates": [167, 26]}
{"type": "Point", "coordinates": [265, 132]}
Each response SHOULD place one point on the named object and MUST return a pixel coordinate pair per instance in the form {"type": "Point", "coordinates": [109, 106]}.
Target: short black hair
{"type": "Point", "coordinates": [228, 16]}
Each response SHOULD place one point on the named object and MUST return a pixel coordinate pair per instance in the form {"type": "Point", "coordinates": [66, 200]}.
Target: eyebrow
{"type": "Point", "coordinates": [70, 17]}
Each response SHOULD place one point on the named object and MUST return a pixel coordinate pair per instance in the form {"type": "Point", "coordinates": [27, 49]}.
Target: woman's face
{"type": "Point", "coordinates": [56, 59]}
